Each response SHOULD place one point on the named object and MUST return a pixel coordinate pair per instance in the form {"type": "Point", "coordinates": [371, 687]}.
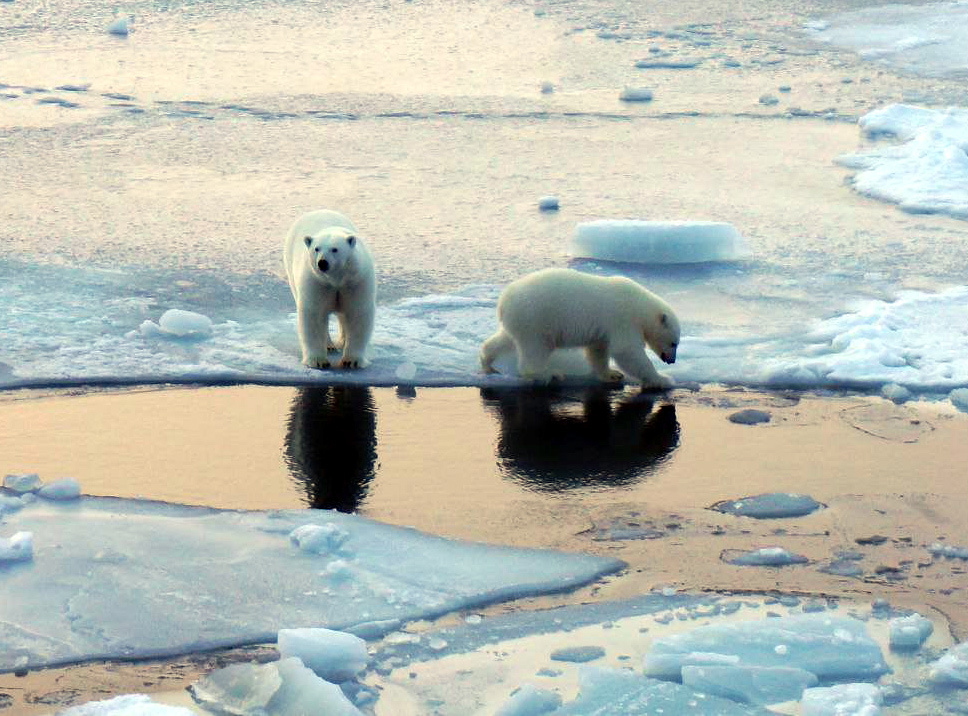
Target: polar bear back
{"type": "Point", "coordinates": [572, 308]}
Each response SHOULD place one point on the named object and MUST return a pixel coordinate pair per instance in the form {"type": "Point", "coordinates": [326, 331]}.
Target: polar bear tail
{"type": "Point", "coordinates": [494, 346]}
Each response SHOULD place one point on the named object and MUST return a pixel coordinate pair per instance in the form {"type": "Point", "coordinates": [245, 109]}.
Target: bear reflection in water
{"type": "Point", "coordinates": [554, 439]}
{"type": "Point", "coordinates": [331, 445]}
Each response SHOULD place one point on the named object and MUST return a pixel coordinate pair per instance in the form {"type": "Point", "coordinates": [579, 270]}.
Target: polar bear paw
{"type": "Point", "coordinates": [352, 363]}
{"type": "Point", "coordinates": [317, 362]}
{"type": "Point", "coordinates": [660, 382]}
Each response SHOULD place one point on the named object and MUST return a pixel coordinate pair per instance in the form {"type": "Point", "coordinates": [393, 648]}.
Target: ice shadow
{"type": "Point", "coordinates": [554, 440]}
{"type": "Point", "coordinates": [330, 445]}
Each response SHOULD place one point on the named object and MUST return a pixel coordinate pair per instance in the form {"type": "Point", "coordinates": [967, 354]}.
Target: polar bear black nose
{"type": "Point", "coordinates": [323, 265]}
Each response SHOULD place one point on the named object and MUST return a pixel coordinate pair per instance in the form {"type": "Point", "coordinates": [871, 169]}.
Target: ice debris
{"type": "Point", "coordinates": [764, 557]}
{"type": "Point", "coordinates": [18, 548]}
{"type": "Point", "coordinates": [127, 705]}
{"type": "Point", "coordinates": [658, 242]}
{"type": "Point", "coordinates": [770, 505]}
{"type": "Point", "coordinates": [529, 700]}
{"type": "Point", "coordinates": [749, 416]}
{"type": "Point", "coordinates": [842, 700]}
{"type": "Point", "coordinates": [750, 684]}
{"type": "Point", "coordinates": [636, 94]}
{"type": "Point", "coordinates": [333, 655]}
{"type": "Point", "coordinates": [910, 632]}
{"type": "Point", "coordinates": [952, 668]}
{"type": "Point", "coordinates": [28, 482]}
{"type": "Point", "coordinates": [548, 203]}
{"type": "Point", "coordinates": [177, 323]}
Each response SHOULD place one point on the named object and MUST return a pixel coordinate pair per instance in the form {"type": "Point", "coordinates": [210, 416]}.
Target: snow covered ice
{"type": "Point", "coordinates": [115, 578]}
{"type": "Point", "coordinates": [658, 242]}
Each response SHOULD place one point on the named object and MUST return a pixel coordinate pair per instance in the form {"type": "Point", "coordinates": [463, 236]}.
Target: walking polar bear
{"type": "Point", "coordinates": [610, 317]}
{"type": "Point", "coordinates": [330, 270]}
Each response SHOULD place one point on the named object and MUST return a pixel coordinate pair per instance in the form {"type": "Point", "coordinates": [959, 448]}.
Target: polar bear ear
{"type": "Point", "coordinates": [351, 239]}
{"type": "Point", "coordinates": [308, 240]}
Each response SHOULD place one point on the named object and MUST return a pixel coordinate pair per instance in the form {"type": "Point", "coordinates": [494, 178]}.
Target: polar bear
{"type": "Point", "coordinates": [330, 270]}
{"type": "Point", "coordinates": [611, 317]}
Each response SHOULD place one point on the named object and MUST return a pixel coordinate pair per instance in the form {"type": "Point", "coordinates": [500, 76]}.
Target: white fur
{"type": "Point", "coordinates": [609, 317]}
{"type": "Point", "coordinates": [347, 287]}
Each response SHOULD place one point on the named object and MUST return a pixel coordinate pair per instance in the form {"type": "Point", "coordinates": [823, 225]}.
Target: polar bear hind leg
{"type": "Point", "coordinates": [494, 346]}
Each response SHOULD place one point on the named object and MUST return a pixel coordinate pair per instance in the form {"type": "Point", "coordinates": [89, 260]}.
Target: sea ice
{"type": "Point", "coordinates": [636, 94]}
{"type": "Point", "coordinates": [749, 416]}
{"type": "Point", "coordinates": [578, 654]}
{"type": "Point", "coordinates": [834, 648]}
{"type": "Point", "coordinates": [529, 700]}
{"type": "Point", "coordinates": [952, 668]}
{"type": "Point", "coordinates": [771, 505]}
{"type": "Point", "coordinates": [120, 27]}
{"type": "Point", "coordinates": [910, 632]}
{"type": "Point", "coordinates": [548, 203]}
{"type": "Point", "coordinates": [185, 324]}
{"type": "Point", "coordinates": [766, 557]}
{"type": "Point", "coordinates": [950, 551]}
{"type": "Point", "coordinates": [333, 655]}
{"type": "Point", "coordinates": [842, 700]}
{"type": "Point", "coordinates": [658, 242]}
{"type": "Point", "coordinates": [896, 393]}
{"type": "Point", "coordinates": [65, 489]}
{"type": "Point", "coordinates": [28, 482]}
{"type": "Point", "coordinates": [18, 548]}
{"type": "Point", "coordinates": [959, 398]}
{"type": "Point", "coordinates": [280, 688]}
{"type": "Point", "coordinates": [928, 171]}
{"type": "Point", "coordinates": [761, 685]}
{"type": "Point", "coordinates": [114, 578]}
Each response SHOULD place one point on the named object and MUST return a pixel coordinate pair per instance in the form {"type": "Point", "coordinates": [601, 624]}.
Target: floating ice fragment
{"type": "Point", "coordinates": [19, 548]}
{"type": "Point", "coordinates": [750, 416]}
{"type": "Point", "coordinates": [280, 688]}
{"type": "Point", "coordinates": [28, 482]}
{"type": "Point", "coordinates": [65, 489]}
{"type": "Point", "coordinates": [185, 324]}
{"type": "Point", "coordinates": [578, 654]}
{"type": "Point", "coordinates": [959, 398]}
{"type": "Point", "coordinates": [548, 203]}
{"type": "Point", "coordinates": [12, 504]}
{"type": "Point", "coordinates": [670, 64]}
{"type": "Point", "coordinates": [952, 668]}
{"type": "Point", "coordinates": [333, 655]}
{"type": "Point", "coordinates": [765, 557]}
{"type": "Point", "coordinates": [770, 505]}
{"type": "Point", "coordinates": [636, 94]}
{"type": "Point", "coordinates": [120, 27]}
{"type": "Point", "coordinates": [910, 632]}
{"type": "Point", "coordinates": [529, 700]}
{"type": "Point", "coordinates": [749, 684]}
{"type": "Point", "coordinates": [841, 700]}
{"type": "Point", "coordinates": [896, 393]}
{"type": "Point", "coordinates": [547, 88]}
{"type": "Point", "coordinates": [320, 539]}
{"type": "Point", "coordinates": [128, 705]}
{"type": "Point", "coordinates": [940, 549]}
{"type": "Point", "coordinates": [658, 242]}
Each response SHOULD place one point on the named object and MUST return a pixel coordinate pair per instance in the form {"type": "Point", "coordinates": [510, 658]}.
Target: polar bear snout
{"type": "Point", "coordinates": [668, 357]}
{"type": "Point", "coordinates": [323, 265]}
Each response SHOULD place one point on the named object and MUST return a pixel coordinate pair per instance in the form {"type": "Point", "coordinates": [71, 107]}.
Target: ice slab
{"type": "Point", "coordinates": [615, 692]}
{"type": "Point", "coordinates": [927, 172]}
{"type": "Point", "coordinates": [114, 578]}
{"type": "Point", "coordinates": [952, 668]}
{"type": "Point", "coordinates": [127, 705]}
{"type": "Point", "coordinates": [658, 242]}
{"type": "Point", "coordinates": [842, 700]}
{"type": "Point", "coordinates": [333, 655]}
{"type": "Point", "coordinates": [530, 701]}
{"type": "Point", "coordinates": [910, 632]}
{"type": "Point", "coordinates": [770, 505]}
{"type": "Point", "coordinates": [830, 647]}
{"type": "Point", "coordinates": [764, 557]}
{"type": "Point", "coordinates": [761, 685]}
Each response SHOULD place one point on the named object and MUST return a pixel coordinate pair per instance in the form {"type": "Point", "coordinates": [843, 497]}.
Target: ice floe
{"type": "Point", "coordinates": [658, 242]}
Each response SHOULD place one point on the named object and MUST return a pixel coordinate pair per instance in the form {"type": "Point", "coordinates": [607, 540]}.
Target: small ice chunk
{"type": "Point", "coordinates": [11, 504]}
{"type": "Point", "coordinates": [19, 548]}
{"type": "Point", "coordinates": [842, 700]}
{"type": "Point", "coordinates": [276, 689]}
{"type": "Point", "coordinates": [547, 87]}
{"type": "Point", "coordinates": [750, 416]}
{"type": "Point", "coordinates": [769, 100]}
{"type": "Point", "coordinates": [127, 705]}
{"type": "Point", "coordinates": [896, 393]}
{"type": "Point", "coordinates": [771, 505]}
{"type": "Point", "coordinates": [321, 539]}
{"type": "Point", "coordinates": [939, 549]}
{"type": "Point", "coordinates": [120, 27]}
{"type": "Point", "coordinates": [910, 632]}
{"type": "Point", "coordinates": [66, 489]}
{"type": "Point", "coordinates": [766, 557]}
{"type": "Point", "coordinates": [578, 654]}
{"type": "Point", "coordinates": [28, 482]}
{"type": "Point", "coordinates": [185, 324]}
{"type": "Point", "coordinates": [548, 203]}
{"type": "Point", "coordinates": [406, 371]}
{"type": "Point", "coordinates": [952, 668]}
{"type": "Point", "coordinates": [658, 242]}
{"type": "Point", "coordinates": [669, 666]}
{"type": "Point", "coordinates": [334, 655]}
{"type": "Point", "coordinates": [529, 700]}
{"type": "Point", "coordinates": [750, 684]}
{"type": "Point", "coordinates": [636, 94]}
{"type": "Point", "coordinates": [959, 398]}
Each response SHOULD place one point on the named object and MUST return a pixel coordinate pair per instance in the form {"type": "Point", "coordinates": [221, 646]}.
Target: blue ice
{"type": "Point", "coordinates": [114, 578]}
{"type": "Point", "coordinates": [770, 505]}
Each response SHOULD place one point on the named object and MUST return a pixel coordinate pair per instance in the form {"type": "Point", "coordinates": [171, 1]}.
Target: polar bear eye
{"type": "Point", "coordinates": [334, 250]}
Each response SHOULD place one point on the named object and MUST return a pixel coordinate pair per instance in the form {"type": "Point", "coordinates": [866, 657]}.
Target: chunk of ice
{"type": "Point", "coordinates": [120, 27]}
{"type": "Point", "coordinates": [128, 705]}
{"type": "Point", "coordinates": [578, 654]}
{"type": "Point", "coordinates": [842, 700]}
{"type": "Point", "coordinates": [658, 242]}
{"type": "Point", "coordinates": [18, 548]}
{"type": "Point", "coordinates": [910, 632]}
{"type": "Point", "coordinates": [548, 203]}
{"type": "Point", "coordinates": [65, 489]}
{"type": "Point", "coordinates": [185, 324]}
{"type": "Point", "coordinates": [750, 684]}
{"type": "Point", "coordinates": [952, 668]}
{"type": "Point", "coordinates": [766, 557]}
{"type": "Point", "coordinates": [750, 416]}
{"type": "Point", "coordinates": [770, 505]}
{"type": "Point", "coordinates": [831, 647]}
{"type": "Point", "coordinates": [333, 655]}
{"type": "Point", "coordinates": [529, 700]}
{"type": "Point", "coordinates": [319, 539]}
{"type": "Point", "coordinates": [636, 94]}
{"type": "Point", "coordinates": [28, 482]}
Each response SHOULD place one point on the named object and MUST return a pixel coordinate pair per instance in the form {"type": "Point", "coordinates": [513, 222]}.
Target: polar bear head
{"type": "Point", "coordinates": [662, 335]}
{"type": "Point", "coordinates": [331, 253]}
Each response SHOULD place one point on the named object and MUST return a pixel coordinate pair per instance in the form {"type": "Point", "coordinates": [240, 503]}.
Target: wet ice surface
{"type": "Point", "coordinates": [110, 578]}
{"type": "Point", "coordinates": [770, 506]}
{"type": "Point", "coordinates": [658, 242]}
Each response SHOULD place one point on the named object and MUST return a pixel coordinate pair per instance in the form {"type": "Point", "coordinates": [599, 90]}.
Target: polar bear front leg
{"type": "Point", "coordinates": [356, 328]}
{"type": "Point", "coordinates": [597, 356]}
{"type": "Point", "coordinates": [314, 339]}
{"type": "Point", "coordinates": [634, 361]}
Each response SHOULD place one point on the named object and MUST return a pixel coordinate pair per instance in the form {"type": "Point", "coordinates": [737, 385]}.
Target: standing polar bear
{"type": "Point", "coordinates": [330, 270]}
{"type": "Point", "coordinates": [610, 317]}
